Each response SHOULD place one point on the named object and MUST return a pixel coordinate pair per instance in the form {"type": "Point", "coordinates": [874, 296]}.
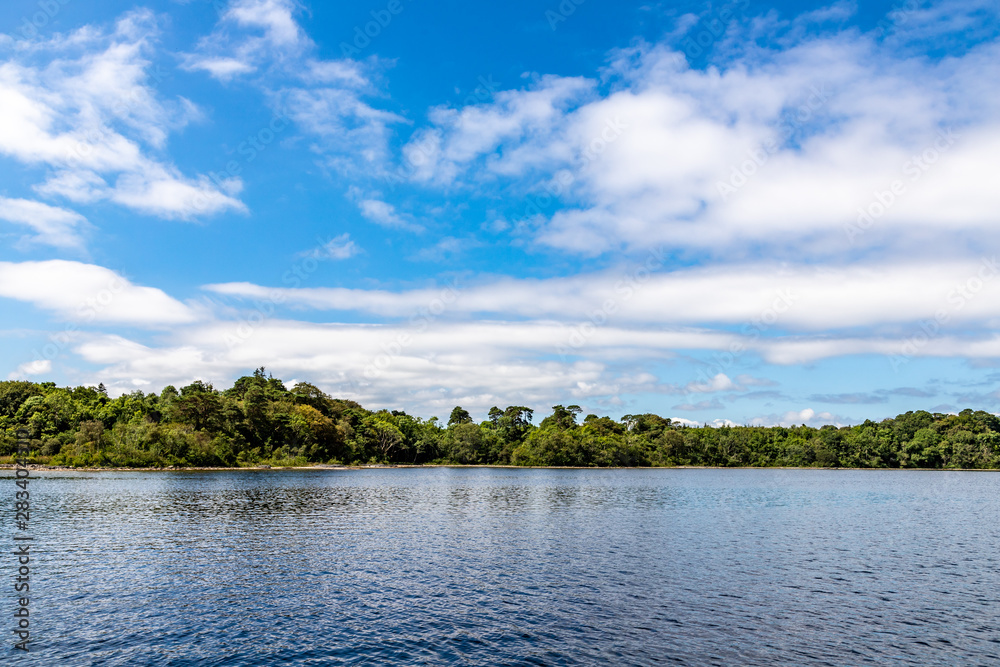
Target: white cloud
{"type": "Point", "coordinates": [87, 293]}
{"type": "Point", "coordinates": [429, 365]}
{"type": "Point", "coordinates": [426, 364]}
{"type": "Point", "coordinates": [53, 226]}
{"type": "Point", "coordinates": [720, 382]}
{"type": "Point", "coordinates": [939, 22]}
{"type": "Point", "coordinates": [347, 129]}
{"type": "Point", "coordinates": [164, 192]}
{"type": "Point", "coordinates": [274, 16]}
{"type": "Point", "coordinates": [449, 246]}
{"type": "Point", "coordinates": [460, 137]}
{"type": "Point", "coordinates": [249, 34]}
{"type": "Point", "coordinates": [806, 416]}
{"type": "Point", "coordinates": [334, 71]}
{"type": "Point", "coordinates": [385, 215]}
{"type": "Point", "coordinates": [80, 185]}
{"type": "Point", "coordinates": [756, 297]}
{"type": "Point", "coordinates": [221, 68]}
{"type": "Point", "coordinates": [30, 368]}
{"type": "Point", "coordinates": [325, 98]}
{"type": "Point", "coordinates": [87, 106]}
{"type": "Point", "coordinates": [337, 248]}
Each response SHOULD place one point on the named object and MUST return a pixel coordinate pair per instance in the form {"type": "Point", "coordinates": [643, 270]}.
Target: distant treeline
{"type": "Point", "coordinates": [260, 421]}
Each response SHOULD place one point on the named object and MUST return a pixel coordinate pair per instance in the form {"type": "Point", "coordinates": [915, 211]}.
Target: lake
{"type": "Point", "coordinates": [480, 566]}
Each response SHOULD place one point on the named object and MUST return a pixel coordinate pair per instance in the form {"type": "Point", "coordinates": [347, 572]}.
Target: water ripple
{"type": "Point", "coordinates": [518, 567]}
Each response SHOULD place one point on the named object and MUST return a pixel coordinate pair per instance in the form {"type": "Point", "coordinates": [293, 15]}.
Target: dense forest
{"type": "Point", "coordinates": [260, 421]}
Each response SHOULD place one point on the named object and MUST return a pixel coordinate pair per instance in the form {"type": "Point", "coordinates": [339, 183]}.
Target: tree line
{"type": "Point", "coordinates": [260, 421]}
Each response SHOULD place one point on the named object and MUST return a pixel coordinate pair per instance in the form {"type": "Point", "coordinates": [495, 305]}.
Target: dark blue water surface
{"type": "Point", "coordinates": [511, 566]}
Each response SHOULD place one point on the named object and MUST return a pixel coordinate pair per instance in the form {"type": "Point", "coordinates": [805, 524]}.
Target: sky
{"type": "Point", "coordinates": [736, 212]}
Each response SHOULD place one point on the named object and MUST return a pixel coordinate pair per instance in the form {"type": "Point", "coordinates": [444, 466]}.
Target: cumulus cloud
{"type": "Point", "coordinates": [87, 293]}
{"type": "Point", "coordinates": [833, 146]}
{"type": "Point", "coordinates": [460, 136]}
{"type": "Point", "coordinates": [273, 16]}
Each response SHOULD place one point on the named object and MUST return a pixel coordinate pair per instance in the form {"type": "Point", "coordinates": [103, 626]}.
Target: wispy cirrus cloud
{"type": "Point", "coordinates": [385, 214]}
{"type": "Point", "coordinates": [250, 34]}
{"type": "Point", "coordinates": [330, 100]}
{"type": "Point", "coordinates": [338, 248]}
{"type": "Point", "coordinates": [85, 106]}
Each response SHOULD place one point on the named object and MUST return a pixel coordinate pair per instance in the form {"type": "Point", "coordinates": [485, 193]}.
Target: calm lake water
{"type": "Point", "coordinates": [520, 567]}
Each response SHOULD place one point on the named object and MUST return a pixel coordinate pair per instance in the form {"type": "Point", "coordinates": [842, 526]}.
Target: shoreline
{"type": "Point", "coordinates": [377, 466]}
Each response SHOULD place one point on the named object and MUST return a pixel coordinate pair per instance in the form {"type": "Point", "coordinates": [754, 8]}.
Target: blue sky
{"type": "Point", "coordinates": [757, 212]}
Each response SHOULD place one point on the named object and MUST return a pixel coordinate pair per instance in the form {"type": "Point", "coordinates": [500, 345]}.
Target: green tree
{"type": "Point", "coordinates": [459, 416]}
{"type": "Point", "coordinates": [198, 406]}
{"type": "Point", "coordinates": [464, 442]}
